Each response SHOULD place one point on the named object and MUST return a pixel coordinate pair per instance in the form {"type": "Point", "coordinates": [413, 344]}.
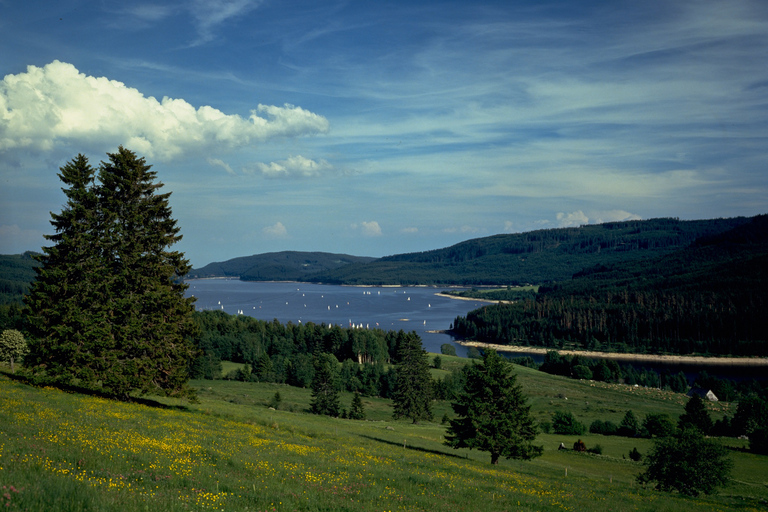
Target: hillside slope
{"type": "Point", "coordinates": [534, 257]}
{"type": "Point", "coordinates": [709, 297]}
{"type": "Point", "coordinates": [278, 266]}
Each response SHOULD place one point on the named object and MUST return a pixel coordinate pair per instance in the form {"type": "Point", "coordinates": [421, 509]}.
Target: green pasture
{"type": "Point", "coordinates": [230, 451]}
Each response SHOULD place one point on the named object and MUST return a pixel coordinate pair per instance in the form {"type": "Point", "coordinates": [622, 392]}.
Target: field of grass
{"type": "Point", "coordinates": [229, 451]}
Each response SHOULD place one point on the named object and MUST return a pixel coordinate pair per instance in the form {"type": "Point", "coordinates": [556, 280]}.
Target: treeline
{"type": "Point", "coordinates": [284, 353]}
{"type": "Point", "coordinates": [708, 298]}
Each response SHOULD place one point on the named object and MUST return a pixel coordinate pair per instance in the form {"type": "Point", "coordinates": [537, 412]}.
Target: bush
{"type": "Point", "coordinates": [447, 349]}
{"type": "Point", "coordinates": [597, 449]}
{"type": "Point", "coordinates": [581, 372]}
{"type": "Point", "coordinates": [658, 425]}
{"type": "Point", "coordinates": [566, 423]}
{"type": "Point", "coordinates": [629, 426]}
{"type": "Point", "coordinates": [635, 455]}
{"type": "Point", "coordinates": [606, 428]}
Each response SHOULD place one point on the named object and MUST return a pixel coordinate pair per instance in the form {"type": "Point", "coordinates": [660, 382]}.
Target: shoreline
{"type": "Point", "coordinates": [449, 296]}
{"type": "Point", "coordinates": [629, 357]}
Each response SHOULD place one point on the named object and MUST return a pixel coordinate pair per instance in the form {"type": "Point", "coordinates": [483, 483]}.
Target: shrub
{"type": "Point", "coordinates": [606, 428]}
{"type": "Point", "coordinates": [635, 455]}
{"type": "Point", "coordinates": [581, 372]}
{"type": "Point", "coordinates": [447, 349]}
{"type": "Point", "coordinates": [566, 423]}
{"type": "Point", "coordinates": [597, 449]}
{"type": "Point", "coordinates": [658, 425]}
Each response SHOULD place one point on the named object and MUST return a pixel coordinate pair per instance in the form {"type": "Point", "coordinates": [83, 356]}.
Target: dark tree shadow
{"type": "Point", "coordinates": [68, 388]}
{"type": "Point", "coordinates": [414, 448]}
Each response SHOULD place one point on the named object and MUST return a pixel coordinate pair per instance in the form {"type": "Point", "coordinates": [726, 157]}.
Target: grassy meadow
{"type": "Point", "coordinates": [230, 451]}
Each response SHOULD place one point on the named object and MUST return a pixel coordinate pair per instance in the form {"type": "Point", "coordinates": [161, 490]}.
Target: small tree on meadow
{"type": "Point", "coordinates": [629, 426]}
{"type": "Point", "coordinates": [687, 462]}
{"type": "Point", "coordinates": [493, 415]}
{"type": "Point", "coordinates": [566, 423]}
{"type": "Point", "coordinates": [13, 347]}
{"type": "Point", "coordinates": [356, 410]}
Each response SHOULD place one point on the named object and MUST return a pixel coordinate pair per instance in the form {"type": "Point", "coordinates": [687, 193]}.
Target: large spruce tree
{"type": "Point", "coordinates": [493, 415]}
{"type": "Point", "coordinates": [108, 309]}
{"type": "Point", "coordinates": [412, 397]}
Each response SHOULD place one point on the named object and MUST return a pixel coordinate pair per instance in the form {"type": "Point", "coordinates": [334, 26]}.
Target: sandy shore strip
{"type": "Point", "coordinates": [629, 358]}
{"type": "Point", "coordinates": [448, 295]}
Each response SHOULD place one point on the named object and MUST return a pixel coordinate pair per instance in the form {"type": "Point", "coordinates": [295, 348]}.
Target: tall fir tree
{"type": "Point", "coordinates": [68, 328]}
{"type": "Point", "coordinates": [412, 397]}
{"type": "Point", "coordinates": [325, 387]}
{"type": "Point", "coordinates": [493, 415]}
{"type": "Point", "coordinates": [108, 307]}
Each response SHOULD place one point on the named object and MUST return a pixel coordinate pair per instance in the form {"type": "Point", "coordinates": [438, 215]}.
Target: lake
{"type": "Point", "coordinates": [389, 308]}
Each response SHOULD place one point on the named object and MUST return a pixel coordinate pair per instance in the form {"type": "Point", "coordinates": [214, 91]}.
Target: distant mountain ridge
{"type": "Point", "coordinates": [533, 257]}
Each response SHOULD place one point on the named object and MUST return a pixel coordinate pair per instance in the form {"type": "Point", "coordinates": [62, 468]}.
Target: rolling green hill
{"type": "Point", "coordinates": [278, 266]}
{"type": "Point", "coordinates": [534, 257]}
{"type": "Point", "coordinates": [229, 451]}
{"type": "Point", "coordinates": [16, 272]}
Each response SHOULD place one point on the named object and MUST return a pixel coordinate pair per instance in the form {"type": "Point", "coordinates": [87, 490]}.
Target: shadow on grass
{"type": "Point", "coordinates": [414, 448]}
{"type": "Point", "coordinates": [67, 388]}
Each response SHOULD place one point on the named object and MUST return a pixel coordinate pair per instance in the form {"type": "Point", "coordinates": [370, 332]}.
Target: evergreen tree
{"type": "Point", "coordinates": [493, 415]}
{"type": "Point", "coordinates": [325, 389]}
{"type": "Point", "coordinates": [69, 330]}
{"type": "Point", "coordinates": [413, 385]}
{"type": "Point", "coordinates": [108, 308]}
{"type": "Point", "coordinates": [696, 415]}
{"type": "Point", "coordinates": [629, 426]}
{"type": "Point", "coordinates": [356, 410]}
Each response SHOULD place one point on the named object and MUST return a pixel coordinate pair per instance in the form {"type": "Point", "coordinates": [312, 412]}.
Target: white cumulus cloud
{"type": "Point", "coordinates": [277, 230]}
{"type": "Point", "coordinates": [56, 104]}
{"type": "Point", "coordinates": [292, 167]}
{"type": "Point", "coordinates": [368, 228]}
{"type": "Point", "coordinates": [573, 219]}
{"type": "Point", "coordinates": [579, 218]}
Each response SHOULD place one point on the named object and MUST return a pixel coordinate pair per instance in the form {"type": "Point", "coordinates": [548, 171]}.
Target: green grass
{"type": "Point", "coordinates": [64, 451]}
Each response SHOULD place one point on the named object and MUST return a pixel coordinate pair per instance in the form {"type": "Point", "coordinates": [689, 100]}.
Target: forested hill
{"type": "Point", "coordinates": [534, 257]}
{"type": "Point", "coordinates": [16, 272]}
{"type": "Point", "coordinates": [710, 297]}
{"type": "Point", "coordinates": [278, 266]}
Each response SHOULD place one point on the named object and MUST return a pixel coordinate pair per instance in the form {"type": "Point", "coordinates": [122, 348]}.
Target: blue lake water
{"type": "Point", "coordinates": [390, 308]}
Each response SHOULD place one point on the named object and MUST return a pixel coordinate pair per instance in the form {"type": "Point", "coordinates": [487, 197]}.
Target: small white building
{"type": "Point", "coordinates": [706, 394]}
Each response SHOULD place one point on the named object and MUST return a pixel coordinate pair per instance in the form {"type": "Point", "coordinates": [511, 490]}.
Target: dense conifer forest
{"type": "Point", "coordinates": [707, 298]}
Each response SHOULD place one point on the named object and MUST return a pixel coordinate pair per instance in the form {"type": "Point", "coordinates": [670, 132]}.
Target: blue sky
{"type": "Point", "coordinates": [375, 128]}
